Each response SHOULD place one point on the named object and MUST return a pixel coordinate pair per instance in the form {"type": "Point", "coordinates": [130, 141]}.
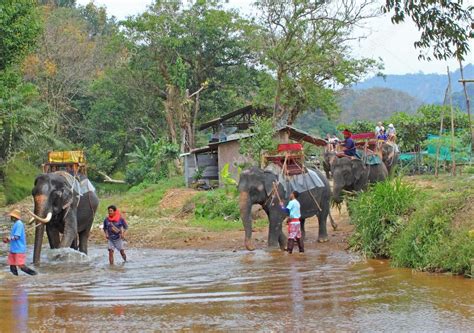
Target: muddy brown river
{"type": "Point", "coordinates": [164, 290]}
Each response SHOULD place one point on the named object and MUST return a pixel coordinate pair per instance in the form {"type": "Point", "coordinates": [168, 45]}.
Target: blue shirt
{"type": "Point", "coordinates": [108, 228]}
{"type": "Point", "coordinates": [294, 209]}
{"type": "Point", "coordinates": [18, 245]}
{"type": "Point", "coordinates": [349, 144]}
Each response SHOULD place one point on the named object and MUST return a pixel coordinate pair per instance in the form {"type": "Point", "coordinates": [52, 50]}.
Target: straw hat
{"type": "Point", "coordinates": [15, 213]}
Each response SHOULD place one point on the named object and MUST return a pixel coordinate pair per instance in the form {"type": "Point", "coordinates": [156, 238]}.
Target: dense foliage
{"type": "Point", "coordinates": [131, 93]}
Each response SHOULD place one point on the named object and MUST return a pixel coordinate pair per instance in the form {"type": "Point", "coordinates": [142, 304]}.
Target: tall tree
{"type": "Point", "coordinates": [303, 43]}
{"type": "Point", "coordinates": [19, 28]}
{"type": "Point", "coordinates": [446, 26]}
{"type": "Point", "coordinates": [185, 49]}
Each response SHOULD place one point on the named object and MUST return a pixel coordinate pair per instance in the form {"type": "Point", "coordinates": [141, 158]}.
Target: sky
{"type": "Point", "coordinates": [392, 43]}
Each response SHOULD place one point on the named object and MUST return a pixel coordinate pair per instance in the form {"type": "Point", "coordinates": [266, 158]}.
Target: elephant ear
{"type": "Point", "coordinates": [269, 178]}
{"type": "Point", "coordinates": [67, 197]}
{"type": "Point", "coordinates": [358, 169]}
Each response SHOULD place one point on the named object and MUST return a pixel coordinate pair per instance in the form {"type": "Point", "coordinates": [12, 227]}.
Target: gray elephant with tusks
{"type": "Point", "coordinates": [67, 215]}
{"type": "Point", "coordinates": [256, 186]}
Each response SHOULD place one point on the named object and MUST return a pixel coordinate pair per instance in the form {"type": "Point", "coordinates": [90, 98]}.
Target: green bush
{"type": "Point", "coordinates": [217, 204]}
{"type": "Point", "coordinates": [20, 175]}
{"type": "Point", "coordinates": [431, 243]}
{"type": "Point", "coordinates": [378, 216]}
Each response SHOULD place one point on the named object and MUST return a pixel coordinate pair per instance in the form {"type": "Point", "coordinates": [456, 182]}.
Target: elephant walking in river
{"type": "Point", "coordinates": [68, 216]}
{"type": "Point", "coordinates": [257, 186]}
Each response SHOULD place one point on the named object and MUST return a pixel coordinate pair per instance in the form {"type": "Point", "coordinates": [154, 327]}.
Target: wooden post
{"type": "Point", "coordinates": [438, 146]}
{"type": "Point", "coordinates": [468, 107]}
{"type": "Point", "coordinates": [453, 159]}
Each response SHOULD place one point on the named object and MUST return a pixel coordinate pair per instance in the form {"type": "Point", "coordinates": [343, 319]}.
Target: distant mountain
{"type": "Point", "coordinates": [375, 104]}
{"type": "Point", "coordinates": [429, 88]}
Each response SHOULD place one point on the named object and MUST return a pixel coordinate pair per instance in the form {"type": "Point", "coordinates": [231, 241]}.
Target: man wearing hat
{"type": "Point", "coordinates": [348, 144]}
{"type": "Point", "coordinates": [17, 240]}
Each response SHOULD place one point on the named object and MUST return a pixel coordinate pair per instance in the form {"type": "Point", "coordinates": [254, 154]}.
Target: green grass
{"type": "Point", "coordinates": [20, 175]}
{"type": "Point", "coordinates": [104, 189]}
{"type": "Point", "coordinates": [428, 232]}
{"type": "Point", "coordinates": [378, 216]}
{"type": "Point", "coordinates": [141, 200]}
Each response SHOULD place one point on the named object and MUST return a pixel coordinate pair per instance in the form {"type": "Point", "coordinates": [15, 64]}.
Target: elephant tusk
{"type": "Point", "coordinates": [31, 220]}
{"type": "Point", "coordinates": [40, 219]}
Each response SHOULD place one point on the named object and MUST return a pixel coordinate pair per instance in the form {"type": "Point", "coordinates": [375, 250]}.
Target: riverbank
{"type": "Point", "coordinates": [418, 222]}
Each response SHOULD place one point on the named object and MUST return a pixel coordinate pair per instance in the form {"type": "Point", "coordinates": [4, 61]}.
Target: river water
{"type": "Point", "coordinates": [164, 290]}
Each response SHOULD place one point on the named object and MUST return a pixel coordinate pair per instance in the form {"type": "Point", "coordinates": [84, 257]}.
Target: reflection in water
{"type": "Point", "coordinates": [20, 309]}
{"type": "Point", "coordinates": [260, 291]}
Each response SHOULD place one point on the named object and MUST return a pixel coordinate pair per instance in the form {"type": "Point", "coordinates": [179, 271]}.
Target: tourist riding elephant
{"type": "Point", "coordinates": [352, 174]}
{"type": "Point", "coordinates": [256, 186]}
{"type": "Point", "coordinates": [59, 206]}
{"type": "Point", "coordinates": [390, 156]}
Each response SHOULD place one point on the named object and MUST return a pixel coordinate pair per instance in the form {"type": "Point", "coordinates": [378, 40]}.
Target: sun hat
{"type": "Point", "coordinates": [15, 213]}
{"type": "Point", "coordinates": [391, 125]}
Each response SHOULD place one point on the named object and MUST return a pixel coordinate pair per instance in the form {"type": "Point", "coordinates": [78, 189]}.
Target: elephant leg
{"type": "Point", "coordinates": [282, 241]}
{"type": "Point", "coordinates": [83, 239]}
{"type": "Point", "coordinates": [303, 231]}
{"type": "Point", "coordinates": [274, 232]}
{"type": "Point", "coordinates": [322, 218]}
{"type": "Point", "coordinates": [53, 237]}
{"type": "Point", "coordinates": [74, 244]}
{"type": "Point", "coordinates": [70, 230]}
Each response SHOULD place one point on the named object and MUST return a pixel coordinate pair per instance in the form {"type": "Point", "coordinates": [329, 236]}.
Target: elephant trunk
{"type": "Point", "coordinates": [245, 215]}
{"type": "Point", "coordinates": [40, 210]}
{"type": "Point", "coordinates": [38, 243]}
{"type": "Point", "coordinates": [337, 194]}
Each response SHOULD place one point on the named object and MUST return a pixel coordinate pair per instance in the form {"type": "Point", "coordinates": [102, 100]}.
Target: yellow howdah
{"type": "Point", "coordinates": [72, 156]}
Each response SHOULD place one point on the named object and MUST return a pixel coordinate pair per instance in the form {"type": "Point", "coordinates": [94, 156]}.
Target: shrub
{"type": "Point", "coordinates": [378, 216]}
{"type": "Point", "coordinates": [430, 243]}
{"type": "Point", "coordinates": [217, 204]}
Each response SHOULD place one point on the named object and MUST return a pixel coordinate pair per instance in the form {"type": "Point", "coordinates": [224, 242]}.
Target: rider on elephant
{"type": "Point", "coordinates": [348, 144]}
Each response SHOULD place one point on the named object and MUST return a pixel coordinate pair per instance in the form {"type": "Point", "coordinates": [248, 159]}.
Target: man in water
{"type": "Point", "coordinates": [17, 240]}
{"type": "Point", "coordinates": [114, 229]}
{"type": "Point", "coordinates": [294, 225]}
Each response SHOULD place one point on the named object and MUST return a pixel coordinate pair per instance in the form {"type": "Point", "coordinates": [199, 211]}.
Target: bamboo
{"type": "Point", "coordinates": [468, 106]}
{"type": "Point", "coordinates": [438, 146]}
{"type": "Point", "coordinates": [453, 159]}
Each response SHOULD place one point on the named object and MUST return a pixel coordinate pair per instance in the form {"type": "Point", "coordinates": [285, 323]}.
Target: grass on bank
{"type": "Point", "coordinates": [214, 211]}
{"type": "Point", "coordinates": [141, 200]}
{"type": "Point", "coordinates": [421, 222]}
{"type": "Point", "coordinates": [20, 175]}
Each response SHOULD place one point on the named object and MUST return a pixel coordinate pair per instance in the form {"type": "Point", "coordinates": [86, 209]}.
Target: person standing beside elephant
{"type": "Point", "coordinates": [17, 240]}
{"type": "Point", "coordinates": [114, 229]}
{"type": "Point", "coordinates": [293, 209]}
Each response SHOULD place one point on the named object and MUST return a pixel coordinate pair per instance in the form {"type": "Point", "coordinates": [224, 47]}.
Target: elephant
{"type": "Point", "coordinates": [256, 186]}
{"type": "Point", "coordinates": [390, 156]}
{"type": "Point", "coordinates": [352, 174]}
{"type": "Point", "coordinates": [58, 205]}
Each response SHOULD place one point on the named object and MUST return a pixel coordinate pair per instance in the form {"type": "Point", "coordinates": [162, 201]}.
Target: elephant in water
{"type": "Point", "coordinates": [256, 186]}
{"type": "Point", "coordinates": [352, 174]}
{"type": "Point", "coordinates": [59, 206]}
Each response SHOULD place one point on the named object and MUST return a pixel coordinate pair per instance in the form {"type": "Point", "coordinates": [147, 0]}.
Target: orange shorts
{"type": "Point", "coordinates": [16, 259]}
